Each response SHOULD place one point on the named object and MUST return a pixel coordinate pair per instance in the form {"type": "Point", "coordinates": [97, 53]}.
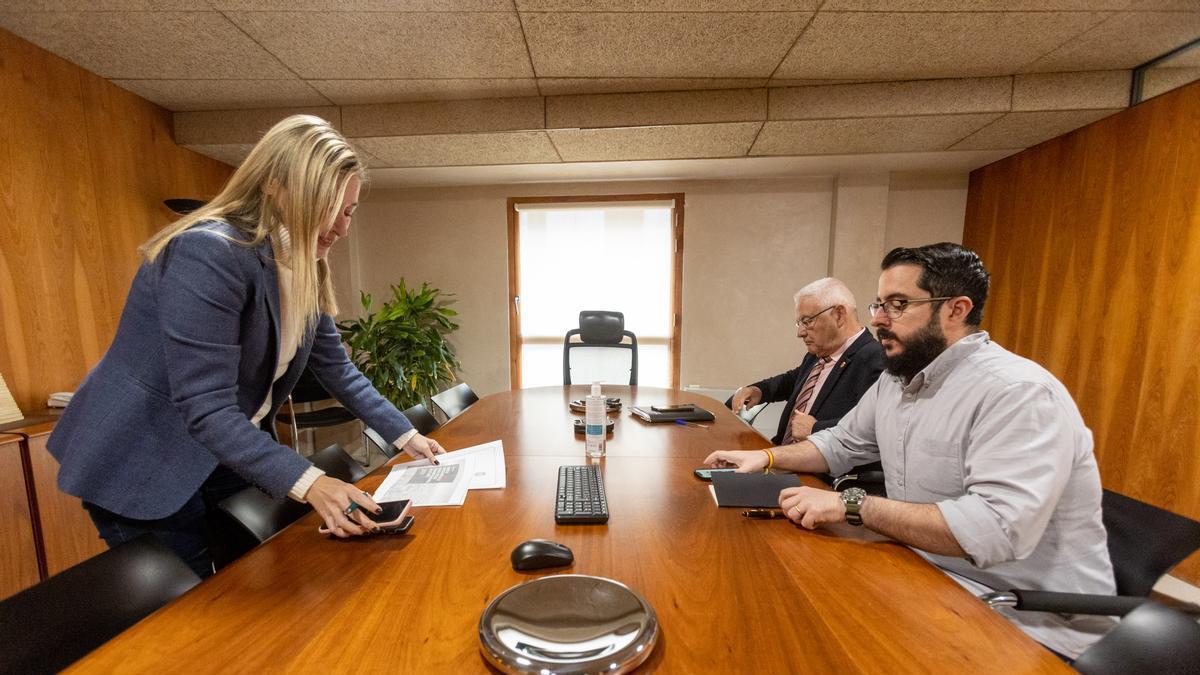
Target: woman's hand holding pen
{"type": "Point", "coordinates": [421, 447]}
{"type": "Point", "coordinates": [341, 506]}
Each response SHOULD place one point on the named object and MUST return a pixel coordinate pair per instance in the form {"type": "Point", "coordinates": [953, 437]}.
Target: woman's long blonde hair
{"type": "Point", "coordinates": [288, 188]}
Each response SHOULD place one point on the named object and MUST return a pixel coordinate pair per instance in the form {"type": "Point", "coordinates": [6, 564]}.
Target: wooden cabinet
{"type": "Point", "coordinates": [18, 550]}
{"type": "Point", "coordinates": [68, 534]}
{"type": "Point", "coordinates": [43, 530]}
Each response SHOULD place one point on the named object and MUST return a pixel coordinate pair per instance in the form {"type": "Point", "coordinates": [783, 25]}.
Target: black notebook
{"type": "Point", "coordinates": [695, 414]}
{"type": "Point", "coordinates": [752, 490]}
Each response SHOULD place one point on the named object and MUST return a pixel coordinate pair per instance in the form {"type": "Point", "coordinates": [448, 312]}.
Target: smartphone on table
{"type": "Point", "coordinates": [676, 408]}
{"type": "Point", "coordinates": [707, 474]}
{"type": "Point", "coordinates": [392, 519]}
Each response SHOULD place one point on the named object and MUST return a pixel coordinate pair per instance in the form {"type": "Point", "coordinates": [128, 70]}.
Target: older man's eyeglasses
{"type": "Point", "coordinates": [896, 306]}
{"type": "Point", "coordinates": [808, 321]}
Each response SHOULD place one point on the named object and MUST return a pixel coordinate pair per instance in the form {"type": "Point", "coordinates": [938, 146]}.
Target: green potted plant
{"type": "Point", "coordinates": [402, 348]}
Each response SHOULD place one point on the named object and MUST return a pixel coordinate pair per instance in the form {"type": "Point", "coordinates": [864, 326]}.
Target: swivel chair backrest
{"type": "Point", "coordinates": [1144, 541]}
{"type": "Point", "coordinates": [49, 626]}
{"type": "Point", "coordinates": [1150, 639]}
{"type": "Point", "coordinates": [455, 400]}
{"type": "Point", "coordinates": [600, 329]}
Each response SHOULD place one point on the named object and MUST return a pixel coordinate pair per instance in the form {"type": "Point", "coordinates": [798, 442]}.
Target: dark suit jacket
{"type": "Point", "coordinates": [192, 361]}
{"type": "Point", "coordinates": [852, 375]}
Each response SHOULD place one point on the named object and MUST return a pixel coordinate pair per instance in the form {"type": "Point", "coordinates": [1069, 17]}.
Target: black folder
{"type": "Point", "coordinates": [752, 490]}
{"type": "Point", "coordinates": [695, 414]}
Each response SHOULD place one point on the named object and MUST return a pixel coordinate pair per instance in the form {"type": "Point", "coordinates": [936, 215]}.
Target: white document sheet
{"type": "Point", "coordinates": [428, 485]}
{"type": "Point", "coordinates": [489, 464]}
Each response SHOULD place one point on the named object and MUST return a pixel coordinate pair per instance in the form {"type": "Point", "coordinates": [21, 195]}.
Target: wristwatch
{"type": "Point", "coordinates": [853, 499]}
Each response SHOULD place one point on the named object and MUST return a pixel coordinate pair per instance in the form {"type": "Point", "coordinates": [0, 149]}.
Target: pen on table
{"type": "Point", "coordinates": [767, 514]}
{"type": "Point", "coordinates": [685, 423]}
{"type": "Point", "coordinates": [354, 506]}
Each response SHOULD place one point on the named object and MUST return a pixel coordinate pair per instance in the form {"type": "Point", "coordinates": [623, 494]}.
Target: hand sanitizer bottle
{"type": "Point", "coordinates": [596, 420]}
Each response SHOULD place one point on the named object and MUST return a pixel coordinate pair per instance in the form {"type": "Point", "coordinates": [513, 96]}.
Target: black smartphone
{"type": "Point", "coordinates": [398, 528]}
{"type": "Point", "coordinates": [678, 407]}
{"type": "Point", "coordinates": [581, 426]}
{"type": "Point", "coordinates": [706, 474]}
{"type": "Point", "coordinates": [392, 519]}
{"type": "Point", "coordinates": [391, 512]}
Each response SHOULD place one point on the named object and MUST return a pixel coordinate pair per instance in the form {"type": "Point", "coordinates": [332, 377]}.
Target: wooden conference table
{"type": "Point", "coordinates": [732, 594]}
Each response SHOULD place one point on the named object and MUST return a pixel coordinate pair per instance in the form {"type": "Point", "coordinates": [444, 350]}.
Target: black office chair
{"type": "Point", "coordinates": [49, 626]}
{"type": "Point", "coordinates": [309, 390]}
{"type": "Point", "coordinates": [601, 330]}
{"type": "Point", "coordinates": [262, 516]}
{"type": "Point", "coordinates": [1144, 543]}
{"type": "Point", "coordinates": [455, 400]}
{"type": "Point", "coordinates": [422, 420]}
{"type": "Point", "coordinates": [866, 477]}
{"type": "Point", "coordinates": [749, 413]}
{"type": "Point", "coordinates": [1150, 639]}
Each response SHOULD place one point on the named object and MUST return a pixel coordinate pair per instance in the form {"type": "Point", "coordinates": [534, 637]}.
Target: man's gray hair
{"type": "Point", "coordinates": [828, 291]}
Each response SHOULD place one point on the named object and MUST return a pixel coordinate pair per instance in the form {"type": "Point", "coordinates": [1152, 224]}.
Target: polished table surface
{"type": "Point", "coordinates": [732, 594]}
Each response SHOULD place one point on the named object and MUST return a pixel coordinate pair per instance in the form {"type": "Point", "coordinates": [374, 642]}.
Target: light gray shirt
{"type": "Point", "coordinates": [997, 443]}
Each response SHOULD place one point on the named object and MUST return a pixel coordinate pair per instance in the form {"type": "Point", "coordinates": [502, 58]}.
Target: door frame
{"type": "Point", "coordinates": [514, 292]}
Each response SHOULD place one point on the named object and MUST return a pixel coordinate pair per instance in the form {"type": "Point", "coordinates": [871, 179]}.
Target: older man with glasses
{"type": "Point", "coordinates": [988, 465]}
{"type": "Point", "coordinates": [843, 361]}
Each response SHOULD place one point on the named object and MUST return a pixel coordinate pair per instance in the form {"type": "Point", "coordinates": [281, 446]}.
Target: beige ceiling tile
{"type": "Point", "coordinates": [391, 45]}
{"type": "Point", "coordinates": [231, 154]}
{"type": "Point", "coordinates": [359, 92]}
{"type": "Point", "coordinates": [1023, 129]}
{"type": "Point", "coordinates": [666, 5]}
{"type": "Point", "coordinates": [778, 82]}
{"type": "Point", "coordinates": [677, 107]}
{"type": "Point", "coordinates": [1161, 80]}
{"type": "Point", "coordinates": [917, 46]}
{"type": "Point", "coordinates": [1124, 40]}
{"type": "Point", "coordinates": [1071, 91]}
{"type": "Point", "coordinates": [977, 5]}
{"type": "Point", "coordinates": [866, 135]}
{"type": "Point", "coordinates": [99, 5]}
{"type": "Point", "coordinates": [1169, 5]}
{"type": "Point", "coordinates": [443, 117]}
{"type": "Point", "coordinates": [661, 142]}
{"type": "Point", "coordinates": [881, 99]}
{"type": "Point", "coordinates": [660, 45]}
{"type": "Point", "coordinates": [186, 95]}
{"type": "Point", "coordinates": [364, 5]}
{"type": "Point", "coordinates": [556, 86]}
{"type": "Point", "coordinates": [238, 126]}
{"type": "Point", "coordinates": [525, 147]}
{"type": "Point", "coordinates": [1187, 59]}
{"type": "Point", "coordinates": [148, 45]}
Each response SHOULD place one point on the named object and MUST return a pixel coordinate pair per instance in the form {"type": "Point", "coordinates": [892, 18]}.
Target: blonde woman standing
{"type": "Point", "coordinates": [229, 306]}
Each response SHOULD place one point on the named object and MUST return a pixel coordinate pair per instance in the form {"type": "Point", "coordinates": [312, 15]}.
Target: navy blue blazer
{"type": "Point", "coordinates": [850, 378]}
{"type": "Point", "coordinates": [191, 363]}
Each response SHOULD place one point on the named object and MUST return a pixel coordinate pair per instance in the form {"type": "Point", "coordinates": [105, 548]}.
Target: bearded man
{"type": "Point", "coordinates": [988, 465]}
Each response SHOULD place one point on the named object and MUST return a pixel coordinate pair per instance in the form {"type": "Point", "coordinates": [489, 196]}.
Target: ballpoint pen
{"type": "Point", "coordinates": [685, 423]}
{"type": "Point", "coordinates": [767, 514]}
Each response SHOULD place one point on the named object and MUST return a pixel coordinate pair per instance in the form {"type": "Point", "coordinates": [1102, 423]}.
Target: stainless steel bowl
{"type": "Point", "coordinates": [568, 623]}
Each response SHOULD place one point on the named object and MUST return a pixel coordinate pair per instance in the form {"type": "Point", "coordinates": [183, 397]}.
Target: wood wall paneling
{"type": "Point", "coordinates": [84, 167]}
{"type": "Point", "coordinates": [67, 532]}
{"type": "Point", "coordinates": [1093, 242]}
{"type": "Point", "coordinates": [18, 552]}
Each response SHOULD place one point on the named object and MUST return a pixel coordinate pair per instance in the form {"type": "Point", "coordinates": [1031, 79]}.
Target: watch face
{"type": "Point", "coordinates": [854, 495]}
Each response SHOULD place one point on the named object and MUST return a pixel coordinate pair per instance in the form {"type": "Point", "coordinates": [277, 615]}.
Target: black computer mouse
{"type": "Point", "coordinates": [536, 554]}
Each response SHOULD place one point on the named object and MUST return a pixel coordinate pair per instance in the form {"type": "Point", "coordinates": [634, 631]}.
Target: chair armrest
{"type": "Point", "coordinates": [863, 477]}
{"type": "Point", "coordinates": [1064, 603]}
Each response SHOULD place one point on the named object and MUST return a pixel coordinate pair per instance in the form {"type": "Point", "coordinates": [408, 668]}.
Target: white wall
{"type": "Point", "coordinates": [748, 245]}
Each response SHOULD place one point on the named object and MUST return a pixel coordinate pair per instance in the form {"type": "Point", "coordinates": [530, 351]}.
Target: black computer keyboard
{"type": "Point", "coordinates": [580, 495]}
